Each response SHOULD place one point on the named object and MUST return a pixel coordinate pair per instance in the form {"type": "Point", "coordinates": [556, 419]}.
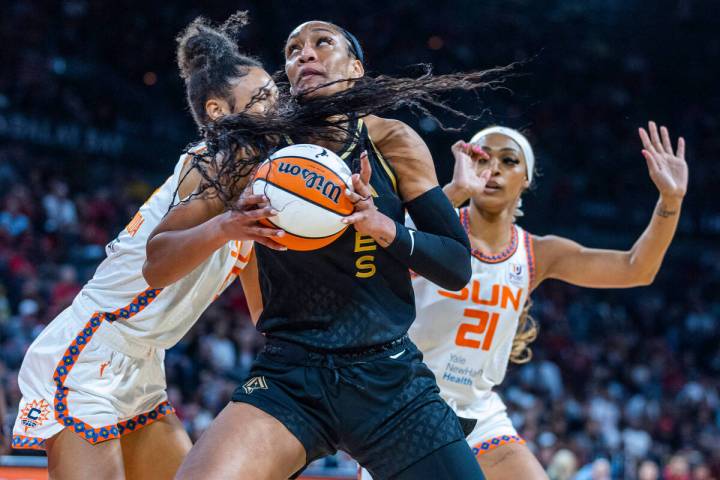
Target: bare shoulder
{"type": "Point", "coordinates": [189, 179]}
{"type": "Point", "coordinates": [388, 132]}
{"type": "Point", "coordinates": [551, 242]}
{"type": "Point", "coordinates": [406, 152]}
{"type": "Point", "coordinates": [549, 250]}
{"type": "Point", "coordinates": [548, 246]}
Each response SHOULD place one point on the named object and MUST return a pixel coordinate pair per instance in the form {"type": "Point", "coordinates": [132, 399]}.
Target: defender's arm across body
{"type": "Point", "coordinates": [439, 250]}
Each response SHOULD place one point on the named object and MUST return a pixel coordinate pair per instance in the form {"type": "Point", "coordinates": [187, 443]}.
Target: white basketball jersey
{"type": "Point", "coordinates": [466, 336]}
{"type": "Point", "coordinates": [156, 317]}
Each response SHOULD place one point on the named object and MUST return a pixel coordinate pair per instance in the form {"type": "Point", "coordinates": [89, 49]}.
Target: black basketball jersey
{"type": "Point", "coordinates": [349, 294]}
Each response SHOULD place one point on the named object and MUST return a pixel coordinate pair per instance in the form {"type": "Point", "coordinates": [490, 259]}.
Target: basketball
{"type": "Point", "coordinates": [306, 184]}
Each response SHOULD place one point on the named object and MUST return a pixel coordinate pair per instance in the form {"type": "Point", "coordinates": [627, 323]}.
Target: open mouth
{"type": "Point", "coordinates": [493, 187]}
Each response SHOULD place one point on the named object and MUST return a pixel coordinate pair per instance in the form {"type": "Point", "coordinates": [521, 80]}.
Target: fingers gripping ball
{"type": "Point", "coordinates": [306, 184]}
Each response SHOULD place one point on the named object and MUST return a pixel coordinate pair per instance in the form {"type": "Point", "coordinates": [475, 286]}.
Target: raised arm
{"type": "Point", "coordinates": [439, 249]}
{"type": "Point", "coordinates": [566, 260]}
{"type": "Point", "coordinates": [193, 230]}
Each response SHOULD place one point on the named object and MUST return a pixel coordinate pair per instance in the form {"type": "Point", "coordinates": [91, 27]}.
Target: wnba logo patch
{"type": "Point", "coordinates": [34, 414]}
{"type": "Point", "coordinates": [515, 275]}
{"type": "Point", "coordinates": [255, 383]}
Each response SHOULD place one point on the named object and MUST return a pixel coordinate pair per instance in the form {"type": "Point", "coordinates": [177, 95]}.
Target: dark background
{"type": "Point", "coordinates": [93, 117]}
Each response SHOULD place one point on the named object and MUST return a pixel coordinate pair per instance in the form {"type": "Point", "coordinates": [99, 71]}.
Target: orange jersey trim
{"type": "Point", "coordinates": [65, 366]}
{"type": "Point", "coordinates": [488, 445]}
{"type": "Point", "coordinates": [22, 442]}
{"type": "Point", "coordinates": [530, 249]}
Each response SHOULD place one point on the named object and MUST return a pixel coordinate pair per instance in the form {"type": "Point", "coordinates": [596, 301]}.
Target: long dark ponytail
{"type": "Point", "coordinates": [238, 142]}
{"type": "Point", "coordinates": [209, 59]}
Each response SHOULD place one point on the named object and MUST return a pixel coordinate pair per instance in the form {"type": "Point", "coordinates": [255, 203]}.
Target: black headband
{"type": "Point", "coordinates": [355, 47]}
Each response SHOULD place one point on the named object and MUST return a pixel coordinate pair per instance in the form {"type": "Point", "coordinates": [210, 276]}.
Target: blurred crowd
{"type": "Point", "coordinates": [623, 384]}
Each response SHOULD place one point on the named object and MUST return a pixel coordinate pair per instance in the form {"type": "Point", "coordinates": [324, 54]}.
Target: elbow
{"type": "Point", "coordinates": [151, 276]}
{"type": "Point", "coordinates": [150, 272]}
{"type": "Point", "coordinates": [455, 285]}
{"type": "Point", "coordinates": [463, 278]}
{"type": "Point", "coordinates": [646, 279]}
{"type": "Point", "coordinates": [457, 278]}
{"type": "Point", "coordinates": [640, 273]}
{"type": "Point", "coordinates": [642, 278]}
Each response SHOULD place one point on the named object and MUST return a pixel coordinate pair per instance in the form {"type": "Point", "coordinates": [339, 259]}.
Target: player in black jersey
{"type": "Point", "coordinates": [338, 371]}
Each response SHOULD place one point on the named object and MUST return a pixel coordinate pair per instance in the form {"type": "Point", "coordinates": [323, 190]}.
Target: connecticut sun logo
{"type": "Point", "coordinates": [34, 414]}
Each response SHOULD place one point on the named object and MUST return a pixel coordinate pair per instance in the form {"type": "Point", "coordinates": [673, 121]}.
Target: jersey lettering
{"type": "Point", "coordinates": [135, 224]}
{"type": "Point", "coordinates": [366, 263]}
{"type": "Point", "coordinates": [500, 295]}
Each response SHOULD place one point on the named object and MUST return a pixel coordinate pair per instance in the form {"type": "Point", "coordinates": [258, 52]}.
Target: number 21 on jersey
{"type": "Point", "coordinates": [485, 324]}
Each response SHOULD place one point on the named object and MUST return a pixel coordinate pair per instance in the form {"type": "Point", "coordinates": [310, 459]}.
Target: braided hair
{"type": "Point", "coordinates": [239, 142]}
{"type": "Point", "coordinates": [209, 61]}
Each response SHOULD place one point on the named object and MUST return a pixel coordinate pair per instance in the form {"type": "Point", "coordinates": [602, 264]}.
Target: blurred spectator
{"type": "Point", "coordinates": [677, 469]}
{"type": "Point", "coordinates": [60, 212]}
{"type": "Point", "coordinates": [648, 471]}
{"type": "Point", "coordinates": [12, 219]}
{"type": "Point", "coordinates": [562, 466]}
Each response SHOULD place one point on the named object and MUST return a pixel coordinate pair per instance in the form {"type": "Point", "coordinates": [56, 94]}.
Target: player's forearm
{"type": "Point", "coordinates": [439, 250]}
{"type": "Point", "coordinates": [648, 253]}
{"type": "Point", "coordinates": [173, 254]}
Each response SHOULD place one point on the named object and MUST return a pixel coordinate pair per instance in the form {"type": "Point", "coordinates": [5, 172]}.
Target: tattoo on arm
{"type": "Point", "coordinates": [663, 212]}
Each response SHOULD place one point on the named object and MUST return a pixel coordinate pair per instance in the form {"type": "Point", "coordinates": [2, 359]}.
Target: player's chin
{"type": "Point", "coordinates": [320, 88]}
{"type": "Point", "coordinates": [310, 89]}
{"type": "Point", "coordinates": [492, 201]}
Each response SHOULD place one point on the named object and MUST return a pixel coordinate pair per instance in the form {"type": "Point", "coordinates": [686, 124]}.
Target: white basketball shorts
{"type": "Point", "coordinates": [77, 375]}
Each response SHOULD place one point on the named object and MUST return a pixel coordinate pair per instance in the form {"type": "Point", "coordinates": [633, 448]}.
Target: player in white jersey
{"type": "Point", "coordinates": [95, 374]}
{"type": "Point", "coordinates": [469, 336]}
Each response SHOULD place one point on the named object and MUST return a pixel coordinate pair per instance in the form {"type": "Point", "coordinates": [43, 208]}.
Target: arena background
{"type": "Point", "coordinates": [624, 384]}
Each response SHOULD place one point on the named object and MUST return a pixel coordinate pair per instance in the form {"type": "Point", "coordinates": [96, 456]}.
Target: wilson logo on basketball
{"type": "Point", "coordinates": [314, 180]}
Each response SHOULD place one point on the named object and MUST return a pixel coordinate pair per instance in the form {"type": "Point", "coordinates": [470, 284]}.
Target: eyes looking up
{"type": "Point", "coordinates": [294, 47]}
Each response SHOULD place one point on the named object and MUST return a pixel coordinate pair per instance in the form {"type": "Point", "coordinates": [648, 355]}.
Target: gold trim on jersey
{"type": "Point", "coordinates": [384, 164]}
{"type": "Point", "coordinates": [356, 136]}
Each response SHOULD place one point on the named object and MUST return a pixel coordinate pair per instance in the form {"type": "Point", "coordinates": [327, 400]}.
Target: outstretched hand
{"type": "Point", "coordinates": [243, 222]}
{"type": "Point", "coordinates": [668, 170]}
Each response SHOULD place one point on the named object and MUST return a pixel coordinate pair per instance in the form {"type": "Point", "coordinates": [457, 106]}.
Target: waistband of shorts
{"type": "Point", "coordinates": [294, 353]}
{"type": "Point", "coordinates": [108, 335]}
